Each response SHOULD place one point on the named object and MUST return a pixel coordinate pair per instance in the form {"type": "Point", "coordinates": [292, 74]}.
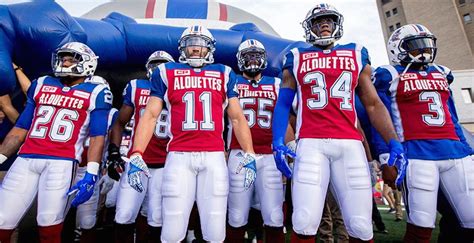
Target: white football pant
{"type": "Point", "coordinates": [86, 215]}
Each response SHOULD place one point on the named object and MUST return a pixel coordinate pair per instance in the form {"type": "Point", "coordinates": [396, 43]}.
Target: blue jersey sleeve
{"type": "Point", "coordinates": [365, 57]}
{"type": "Point", "coordinates": [26, 118]}
{"type": "Point", "coordinates": [232, 85]}
{"type": "Point", "coordinates": [98, 125]}
{"type": "Point", "coordinates": [288, 62]}
{"type": "Point", "coordinates": [158, 87]}
{"type": "Point", "coordinates": [381, 79]}
{"type": "Point", "coordinates": [379, 144]}
{"type": "Point", "coordinates": [127, 95]}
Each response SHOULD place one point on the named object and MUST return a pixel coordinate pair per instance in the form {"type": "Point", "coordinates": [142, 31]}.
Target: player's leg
{"type": "Point", "coordinates": [238, 201]}
{"type": "Point", "coordinates": [179, 193]}
{"type": "Point", "coordinates": [17, 192]}
{"type": "Point", "coordinates": [54, 182]}
{"type": "Point", "coordinates": [212, 192]}
{"type": "Point", "coordinates": [127, 207]}
{"type": "Point", "coordinates": [351, 187]}
{"type": "Point", "coordinates": [420, 191]}
{"type": "Point", "coordinates": [269, 187]}
{"type": "Point", "coordinates": [154, 216]}
{"type": "Point", "coordinates": [310, 183]}
{"type": "Point", "coordinates": [86, 215]}
{"type": "Point", "coordinates": [457, 183]}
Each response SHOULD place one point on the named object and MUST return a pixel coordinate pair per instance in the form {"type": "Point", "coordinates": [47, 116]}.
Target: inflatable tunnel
{"type": "Point", "coordinates": [30, 32]}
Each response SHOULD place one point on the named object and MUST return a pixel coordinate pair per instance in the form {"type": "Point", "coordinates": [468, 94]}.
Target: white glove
{"type": "Point", "coordinates": [291, 145]}
{"type": "Point", "coordinates": [248, 163]}
{"type": "Point", "coordinates": [105, 184]}
{"type": "Point", "coordinates": [137, 166]}
{"type": "Point", "coordinates": [383, 158]}
{"type": "Point", "coordinates": [3, 158]}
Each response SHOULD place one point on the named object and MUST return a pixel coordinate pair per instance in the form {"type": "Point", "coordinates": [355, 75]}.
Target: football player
{"type": "Point", "coordinates": [60, 112]}
{"type": "Point", "coordinates": [129, 200]}
{"type": "Point", "coordinates": [417, 93]}
{"type": "Point", "coordinates": [329, 148]}
{"type": "Point", "coordinates": [257, 95]}
{"type": "Point", "coordinates": [196, 93]}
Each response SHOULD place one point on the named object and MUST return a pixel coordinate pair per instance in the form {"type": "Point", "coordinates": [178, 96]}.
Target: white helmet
{"type": "Point", "coordinates": [320, 10]}
{"type": "Point", "coordinates": [197, 36]}
{"type": "Point", "coordinates": [155, 59]}
{"type": "Point", "coordinates": [409, 38]}
{"type": "Point", "coordinates": [243, 59]}
{"type": "Point", "coordinates": [84, 58]}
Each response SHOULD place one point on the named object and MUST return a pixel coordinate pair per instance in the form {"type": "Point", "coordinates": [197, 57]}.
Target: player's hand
{"type": "Point", "coordinates": [3, 158]}
{"type": "Point", "coordinates": [389, 175]}
{"type": "Point", "coordinates": [115, 163]}
{"type": "Point", "coordinates": [105, 184]}
{"type": "Point", "coordinates": [280, 152]}
{"type": "Point", "coordinates": [85, 187]}
{"type": "Point", "coordinates": [398, 159]}
{"type": "Point", "coordinates": [248, 163]}
{"type": "Point", "coordinates": [137, 167]}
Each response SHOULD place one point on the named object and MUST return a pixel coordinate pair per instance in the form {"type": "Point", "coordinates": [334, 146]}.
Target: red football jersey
{"type": "Point", "coordinates": [258, 102]}
{"type": "Point", "coordinates": [137, 94]}
{"type": "Point", "coordinates": [196, 99]}
{"type": "Point", "coordinates": [326, 82]}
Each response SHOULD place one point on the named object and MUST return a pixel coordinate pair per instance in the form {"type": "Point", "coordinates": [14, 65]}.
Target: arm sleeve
{"type": "Point", "coordinates": [26, 117]}
{"type": "Point", "coordinates": [365, 57]}
{"type": "Point", "coordinates": [232, 85]}
{"type": "Point", "coordinates": [127, 95]}
{"type": "Point", "coordinates": [281, 114]}
{"type": "Point", "coordinates": [381, 79]}
{"type": "Point", "coordinates": [379, 144]}
{"type": "Point", "coordinates": [98, 125]}
{"type": "Point", "coordinates": [158, 87]}
{"type": "Point", "coordinates": [288, 63]}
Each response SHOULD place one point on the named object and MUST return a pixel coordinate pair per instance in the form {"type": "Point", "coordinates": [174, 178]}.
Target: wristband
{"type": "Point", "coordinates": [3, 158]}
{"type": "Point", "coordinates": [93, 168]}
{"type": "Point", "coordinates": [18, 68]}
{"type": "Point", "coordinates": [136, 152]}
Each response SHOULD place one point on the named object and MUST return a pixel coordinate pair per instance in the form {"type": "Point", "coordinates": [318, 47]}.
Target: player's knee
{"type": "Point", "coordinates": [124, 216]}
{"type": "Point", "coordinates": [360, 227]}
{"type": "Point", "coordinates": [237, 218]}
{"type": "Point", "coordinates": [275, 218]}
{"type": "Point", "coordinates": [47, 219]}
{"type": "Point", "coordinates": [301, 222]}
{"type": "Point", "coordinates": [214, 230]}
{"type": "Point", "coordinates": [421, 219]}
{"type": "Point", "coordinates": [87, 222]}
{"type": "Point", "coordinates": [174, 228]}
{"type": "Point", "coordinates": [154, 218]}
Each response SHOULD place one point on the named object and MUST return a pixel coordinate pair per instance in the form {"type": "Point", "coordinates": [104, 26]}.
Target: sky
{"type": "Point", "coordinates": [361, 19]}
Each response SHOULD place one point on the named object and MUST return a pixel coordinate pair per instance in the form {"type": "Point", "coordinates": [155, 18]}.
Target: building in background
{"type": "Point", "coordinates": [451, 21]}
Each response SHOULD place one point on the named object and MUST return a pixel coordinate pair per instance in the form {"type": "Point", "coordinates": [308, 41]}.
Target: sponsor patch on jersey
{"type": "Point", "coordinates": [343, 53]}
{"type": "Point", "coordinates": [144, 92]}
{"type": "Point", "coordinates": [267, 87]}
{"type": "Point", "coordinates": [310, 55]}
{"type": "Point", "coordinates": [81, 94]}
{"type": "Point", "coordinates": [408, 76]}
{"type": "Point", "coordinates": [181, 72]}
{"type": "Point", "coordinates": [423, 73]}
{"type": "Point", "coordinates": [326, 51]}
{"type": "Point", "coordinates": [66, 89]}
{"type": "Point", "coordinates": [437, 75]}
{"type": "Point", "coordinates": [49, 89]}
{"type": "Point", "coordinates": [242, 86]}
{"type": "Point", "coordinates": [214, 74]}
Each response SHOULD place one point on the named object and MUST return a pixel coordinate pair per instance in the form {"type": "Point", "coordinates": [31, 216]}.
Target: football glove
{"type": "Point", "coordinates": [280, 153]}
{"type": "Point", "coordinates": [85, 187]}
{"type": "Point", "coordinates": [105, 184]}
{"type": "Point", "coordinates": [137, 166]}
{"type": "Point", "coordinates": [3, 158]}
{"type": "Point", "coordinates": [398, 159]}
{"type": "Point", "coordinates": [248, 163]}
{"type": "Point", "coordinates": [115, 163]}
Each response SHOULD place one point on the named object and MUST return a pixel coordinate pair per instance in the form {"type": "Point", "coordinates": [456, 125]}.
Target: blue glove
{"type": "Point", "coordinates": [84, 189]}
{"type": "Point", "coordinates": [248, 163]}
{"type": "Point", "coordinates": [280, 153]}
{"type": "Point", "coordinates": [137, 166]}
{"type": "Point", "coordinates": [398, 159]}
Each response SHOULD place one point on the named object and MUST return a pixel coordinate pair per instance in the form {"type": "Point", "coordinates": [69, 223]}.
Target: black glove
{"type": "Point", "coordinates": [115, 163]}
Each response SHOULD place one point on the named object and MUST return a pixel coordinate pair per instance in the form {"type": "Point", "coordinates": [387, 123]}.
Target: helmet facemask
{"type": "Point", "coordinates": [418, 49]}
{"type": "Point", "coordinates": [200, 44]}
{"type": "Point", "coordinates": [82, 58]}
{"type": "Point", "coordinates": [312, 27]}
{"type": "Point", "coordinates": [252, 61]}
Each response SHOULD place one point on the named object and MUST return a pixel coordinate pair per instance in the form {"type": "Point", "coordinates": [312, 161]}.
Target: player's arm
{"type": "Point", "coordinates": [124, 116]}
{"type": "Point", "coordinates": [7, 107]}
{"type": "Point", "coordinates": [240, 124]}
{"type": "Point", "coordinates": [146, 125]}
{"type": "Point", "coordinates": [377, 112]}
